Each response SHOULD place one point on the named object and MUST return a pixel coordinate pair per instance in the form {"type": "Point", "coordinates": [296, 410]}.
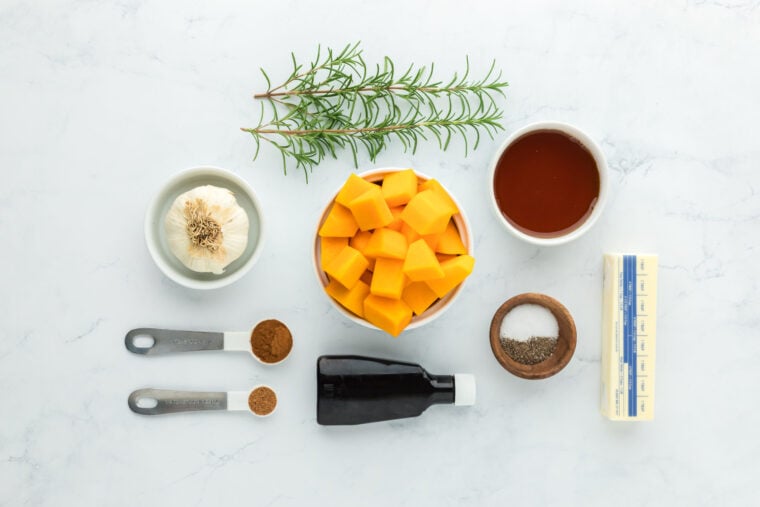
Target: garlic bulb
{"type": "Point", "coordinates": [206, 229]}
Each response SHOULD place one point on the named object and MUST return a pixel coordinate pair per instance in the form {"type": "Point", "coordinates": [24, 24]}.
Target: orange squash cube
{"type": "Point", "coordinates": [386, 243]}
{"type": "Point", "coordinates": [340, 223]}
{"type": "Point", "coordinates": [419, 297]}
{"type": "Point", "coordinates": [347, 266]}
{"type": "Point", "coordinates": [427, 213]}
{"type": "Point", "coordinates": [390, 315]}
{"type": "Point", "coordinates": [399, 187]}
{"type": "Point", "coordinates": [444, 257]}
{"type": "Point", "coordinates": [366, 277]}
{"type": "Point", "coordinates": [360, 240]}
{"type": "Point", "coordinates": [420, 263]}
{"type": "Point", "coordinates": [388, 278]}
{"type": "Point", "coordinates": [455, 271]}
{"type": "Point", "coordinates": [434, 185]}
{"type": "Point", "coordinates": [351, 299]}
{"type": "Point", "coordinates": [330, 247]}
{"type": "Point", "coordinates": [353, 188]}
{"type": "Point", "coordinates": [411, 234]}
{"type": "Point", "coordinates": [370, 210]}
{"type": "Point", "coordinates": [450, 242]}
{"type": "Point", "coordinates": [432, 240]}
{"type": "Point", "coordinates": [397, 223]}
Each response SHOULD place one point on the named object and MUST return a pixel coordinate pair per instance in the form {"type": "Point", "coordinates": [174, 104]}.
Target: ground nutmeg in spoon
{"type": "Point", "coordinates": [271, 341]}
{"type": "Point", "coordinates": [262, 401]}
{"type": "Point", "coordinates": [529, 333]}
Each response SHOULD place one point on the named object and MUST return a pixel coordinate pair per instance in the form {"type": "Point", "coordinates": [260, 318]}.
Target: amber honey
{"type": "Point", "coordinates": [546, 183]}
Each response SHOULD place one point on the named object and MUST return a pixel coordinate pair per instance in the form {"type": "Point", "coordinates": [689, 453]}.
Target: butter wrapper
{"type": "Point", "coordinates": [629, 336]}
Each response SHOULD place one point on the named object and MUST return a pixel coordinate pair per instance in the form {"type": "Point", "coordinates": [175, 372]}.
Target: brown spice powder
{"type": "Point", "coordinates": [262, 401]}
{"type": "Point", "coordinates": [271, 341]}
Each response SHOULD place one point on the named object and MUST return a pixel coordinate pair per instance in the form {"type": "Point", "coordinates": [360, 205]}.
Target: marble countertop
{"type": "Point", "coordinates": [103, 101]}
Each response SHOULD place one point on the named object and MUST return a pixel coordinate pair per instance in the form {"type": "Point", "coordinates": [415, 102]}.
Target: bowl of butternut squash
{"type": "Point", "coordinates": [392, 249]}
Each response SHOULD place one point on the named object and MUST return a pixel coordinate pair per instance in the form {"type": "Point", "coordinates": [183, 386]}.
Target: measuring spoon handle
{"type": "Point", "coordinates": [166, 401]}
{"type": "Point", "coordinates": [169, 340]}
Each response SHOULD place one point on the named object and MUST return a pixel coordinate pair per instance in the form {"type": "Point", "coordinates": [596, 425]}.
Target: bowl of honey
{"type": "Point", "coordinates": [549, 183]}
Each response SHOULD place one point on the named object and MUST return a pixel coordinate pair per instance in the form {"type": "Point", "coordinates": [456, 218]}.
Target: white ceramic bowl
{"type": "Point", "coordinates": [601, 165]}
{"type": "Point", "coordinates": [437, 309]}
{"type": "Point", "coordinates": [155, 235]}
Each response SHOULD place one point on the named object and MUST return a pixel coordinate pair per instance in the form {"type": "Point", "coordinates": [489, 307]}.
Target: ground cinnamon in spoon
{"type": "Point", "coordinates": [262, 401]}
{"type": "Point", "coordinates": [271, 341]}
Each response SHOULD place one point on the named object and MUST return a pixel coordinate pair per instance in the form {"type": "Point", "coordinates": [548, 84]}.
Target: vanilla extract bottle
{"type": "Point", "coordinates": [358, 390]}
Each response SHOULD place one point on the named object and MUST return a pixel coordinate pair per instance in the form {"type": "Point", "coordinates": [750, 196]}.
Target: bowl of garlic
{"type": "Point", "coordinates": [204, 229]}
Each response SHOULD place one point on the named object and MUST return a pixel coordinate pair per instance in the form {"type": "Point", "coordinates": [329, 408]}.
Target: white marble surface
{"type": "Point", "coordinates": [102, 101]}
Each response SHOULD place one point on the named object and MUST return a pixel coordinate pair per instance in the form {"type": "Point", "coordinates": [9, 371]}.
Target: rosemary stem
{"type": "Point", "coordinates": [336, 102]}
{"type": "Point", "coordinates": [313, 70]}
{"type": "Point", "coordinates": [424, 89]}
{"type": "Point", "coordinates": [387, 128]}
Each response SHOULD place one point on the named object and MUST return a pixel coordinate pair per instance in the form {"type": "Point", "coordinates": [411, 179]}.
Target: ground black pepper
{"type": "Point", "coordinates": [531, 351]}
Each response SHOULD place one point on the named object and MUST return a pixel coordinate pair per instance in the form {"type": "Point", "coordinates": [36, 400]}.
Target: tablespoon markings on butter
{"type": "Point", "coordinates": [167, 401]}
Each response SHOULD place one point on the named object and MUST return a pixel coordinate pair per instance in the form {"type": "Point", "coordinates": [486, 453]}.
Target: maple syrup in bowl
{"type": "Point", "coordinates": [548, 183]}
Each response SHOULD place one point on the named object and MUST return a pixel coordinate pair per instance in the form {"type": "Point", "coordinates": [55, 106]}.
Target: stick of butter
{"type": "Point", "coordinates": [628, 336]}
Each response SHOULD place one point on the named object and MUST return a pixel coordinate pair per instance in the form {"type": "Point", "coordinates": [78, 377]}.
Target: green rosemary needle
{"type": "Point", "coordinates": [337, 102]}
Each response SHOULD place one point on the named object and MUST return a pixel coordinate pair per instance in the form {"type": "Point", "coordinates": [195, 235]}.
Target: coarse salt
{"type": "Point", "coordinates": [527, 321]}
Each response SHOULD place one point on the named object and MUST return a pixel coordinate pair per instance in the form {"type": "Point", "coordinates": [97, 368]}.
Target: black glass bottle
{"type": "Point", "coordinates": [357, 390]}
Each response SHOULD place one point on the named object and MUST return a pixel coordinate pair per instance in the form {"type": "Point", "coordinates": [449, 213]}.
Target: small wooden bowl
{"type": "Point", "coordinates": [565, 342]}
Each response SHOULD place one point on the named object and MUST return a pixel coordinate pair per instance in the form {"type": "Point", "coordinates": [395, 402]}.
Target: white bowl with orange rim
{"type": "Point", "coordinates": [438, 307]}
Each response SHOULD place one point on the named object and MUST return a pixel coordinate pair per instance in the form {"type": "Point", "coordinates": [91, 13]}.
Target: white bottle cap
{"type": "Point", "coordinates": [464, 389]}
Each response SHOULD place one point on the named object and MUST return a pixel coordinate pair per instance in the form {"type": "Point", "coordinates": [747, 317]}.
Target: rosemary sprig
{"type": "Point", "coordinates": [337, 102]}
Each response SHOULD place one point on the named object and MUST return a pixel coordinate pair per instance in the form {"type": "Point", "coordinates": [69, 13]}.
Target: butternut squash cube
{"type": "Point", "coordinates": [340, 223]}
{"type": "Point", "coordinates": [386, 243]}
{"type": "Point", "coordinates": [397, 223]}
{"type": "Point", "coordinates": [455, 271]}
{"type": "Point", "coordinates": [366, 277]}
{"type": "Point", "coordinates": [347, 266]}
{"type": "Point", "coordinates": [388, 279]}
{"type": "Point", "coordinates": [420, 263]}
{"type": "Point", "coordinates": [434, 185]}
{"type": "Point", "coordinates": [360, 240]}
{"type": "Point", "coordinates": [432, 240]}
{"type": "Point", "coordinates": [370, 210]}
{"type": "Point", "coordinates": [351, 299]}
{"type": "Point", "coordinates": [399, 187]}
{"type": "Point", "coordinates": [411, 234]}
{"type": "Point", "coordinates": [353, 188]}
{"type": "Point", "coordinates": [444, 257]}
{"type": "Point", "coordinates": [329, 248]}
{"type": "Point", "coordinates": [419, 297]}
{"type": "Point", "coordinates": [390, 315]}
{"type": "Point", "coordinates": [427, 213]}
{"type": "Point", "coordinates": [450, 242]}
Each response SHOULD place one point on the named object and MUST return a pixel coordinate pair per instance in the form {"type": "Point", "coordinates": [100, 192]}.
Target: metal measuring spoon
{"type": "Point", "coordinates": [152, 341]}
{"type": "Point", "coordinates": [166, 401]}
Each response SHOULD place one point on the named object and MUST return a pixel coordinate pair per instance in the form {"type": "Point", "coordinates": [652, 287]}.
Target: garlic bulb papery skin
{"type": "Point", "coordinates": [206, 229]}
